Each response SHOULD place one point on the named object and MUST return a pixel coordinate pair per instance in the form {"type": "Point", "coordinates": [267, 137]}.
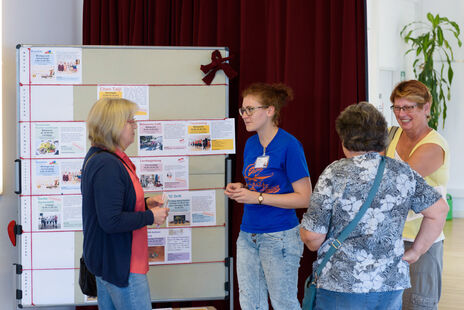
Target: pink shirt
{"type": "Point", "coordinates": [139, 255]}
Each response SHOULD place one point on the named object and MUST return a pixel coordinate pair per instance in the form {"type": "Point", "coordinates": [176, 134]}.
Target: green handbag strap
{"type": "Point", "coordinates": [337, 243]}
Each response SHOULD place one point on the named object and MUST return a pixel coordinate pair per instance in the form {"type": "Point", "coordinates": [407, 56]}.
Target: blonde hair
{"type": "Point", "coordinates": [107, 119]}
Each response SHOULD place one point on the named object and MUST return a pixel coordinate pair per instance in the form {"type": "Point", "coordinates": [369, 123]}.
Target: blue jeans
{"type": "Point", "coordinates": [269, 262]}
{"type": "Point", "coordinates": [326, 300]}
{"type": "Point", "coordinates": [136, 296]}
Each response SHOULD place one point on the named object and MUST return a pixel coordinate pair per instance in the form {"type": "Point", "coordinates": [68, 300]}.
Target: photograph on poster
{"type": "Point", "coordinates": [179, 219]}
{"type": "Point", "coordinates": [199, 143]}
{"type": "Point", "coordinates": [71, 172]}
{"type": "Point", "coordinates": [49, 220]}
{"type": "Point", "coordinates": [156, 249]}
{"type": "Point", "coordinates": [151, 143]}
{"type": "Point", "coordinates": [151, 181]}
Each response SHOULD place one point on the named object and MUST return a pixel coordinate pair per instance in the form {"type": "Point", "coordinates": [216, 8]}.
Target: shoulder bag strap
{"type": "Point", "coordinates": [98, 152]}
{"type": "Point", "coordinates": [337, 243]}
{"type": "Point", "coordinates": [391, 136]}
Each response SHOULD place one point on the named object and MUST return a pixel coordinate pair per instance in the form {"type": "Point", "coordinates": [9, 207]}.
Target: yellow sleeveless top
{"type": "Point", "coordinates": [438, 179]}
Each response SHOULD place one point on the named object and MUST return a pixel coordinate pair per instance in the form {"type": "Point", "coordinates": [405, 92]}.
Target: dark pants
{"type": "Point", "coordinates": [425, 290]}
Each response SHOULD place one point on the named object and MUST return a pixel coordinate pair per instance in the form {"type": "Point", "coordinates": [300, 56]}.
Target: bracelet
{"type": "Point", "coordinates": [146, 204]}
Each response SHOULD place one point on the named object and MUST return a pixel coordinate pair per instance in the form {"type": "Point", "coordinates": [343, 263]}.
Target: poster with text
{"type": "Point", "coordinates": [56, 176]}
{"type": "Point", "coordinates": [55, 66]}
{"type": "Point", "coordinates": [191, 208]}
{"type": "Point", "coordinates": [55, 213]}
{"type": "Point", "coordinates": [138, 94]}
{"type": "Point", "coordinates": [158, 138]}
{"type": "Point", "coordinates": [169, 246]}
{"type": "Point", "coordinates": [58, 139]}
{"type": "Point", "coordinates": [163, 173]}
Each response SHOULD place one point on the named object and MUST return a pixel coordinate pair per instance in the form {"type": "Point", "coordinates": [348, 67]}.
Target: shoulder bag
{"type": "Point", "coordinates": [87, 281]}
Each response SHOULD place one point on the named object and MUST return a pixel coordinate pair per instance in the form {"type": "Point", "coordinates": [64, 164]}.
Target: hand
{"type": "Point", "coordinates": [160, 214]}
{"type": "Point", "coordinates": [237, 192]}
{"type": "Point", "coordinates": [232, 188]}
{"type": "Point", "coordinates": [155, 201]}
{"type": "Point", "coordinates": [411, 256]}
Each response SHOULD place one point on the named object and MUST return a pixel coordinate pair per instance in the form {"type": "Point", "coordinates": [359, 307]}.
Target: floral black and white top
{"type": "Point", "coordinates": [370, 259]}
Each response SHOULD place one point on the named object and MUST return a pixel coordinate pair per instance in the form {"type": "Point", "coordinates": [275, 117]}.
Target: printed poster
{"type": "Point", "coordinates": [191, 208]}
{"type": "Point", "coordinates": [55, 213]}
{"type": "Point", "coordinates": [169, 246]}
{"type": "Point", "coordinates": [55, 176]}
{"type": "Point", "coordinates": [138, 94]}
{"type": "Point", "coordinates": [58, 139]}
{"type": "Point", "coordinates": [158, 138]}
{"type": "Point", "coordinates": [163, 173]}
{"type": "Point", "coordinates": [56, 65]}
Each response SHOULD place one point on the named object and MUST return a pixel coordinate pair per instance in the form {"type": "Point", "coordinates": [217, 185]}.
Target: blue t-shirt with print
{"type": "Point", "coordinates": [287, 164]}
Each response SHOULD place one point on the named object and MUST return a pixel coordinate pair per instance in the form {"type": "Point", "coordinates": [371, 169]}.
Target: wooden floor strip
{"type": "Point", "coordinates": [452, 294]}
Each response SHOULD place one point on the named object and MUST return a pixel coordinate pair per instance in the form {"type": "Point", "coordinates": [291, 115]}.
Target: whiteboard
{"type": "Point", "coordinates": [56, 87]}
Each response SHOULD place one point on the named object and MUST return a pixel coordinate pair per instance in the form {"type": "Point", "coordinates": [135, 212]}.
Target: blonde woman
{"type": "Point", "coordinates": [115, 213]}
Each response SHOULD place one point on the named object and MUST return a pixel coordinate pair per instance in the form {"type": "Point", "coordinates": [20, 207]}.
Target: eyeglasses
{"type": "Point", "coordinates": [249, 110]}
{"type": "Point", "coordinates": [406, 108]}
{"type": "Point", "coordinates": [132, 121]}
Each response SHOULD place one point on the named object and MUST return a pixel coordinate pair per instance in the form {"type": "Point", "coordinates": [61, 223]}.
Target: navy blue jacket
{"type": "Point", "coordinates": [108, 203]}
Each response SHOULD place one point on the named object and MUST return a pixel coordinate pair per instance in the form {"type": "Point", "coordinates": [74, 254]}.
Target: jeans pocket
{"type": "Point", "coordinates": [275, 236]}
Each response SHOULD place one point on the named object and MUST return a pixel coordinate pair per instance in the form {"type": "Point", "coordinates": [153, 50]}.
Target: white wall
{"type": "Point", "coordinates": [454, 130]}
{"type": "Point", "coordinates": [386, 60]}
{"type": "Point", "coordinates": [25, 22]}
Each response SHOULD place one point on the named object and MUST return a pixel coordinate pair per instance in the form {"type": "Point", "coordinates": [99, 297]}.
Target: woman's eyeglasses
{"type": "Point", "coordinates": [132, 121]}
{"type": "Point", "coordinates": [406, 108]}
{"type": "Point", "coordinates": [249, 110]}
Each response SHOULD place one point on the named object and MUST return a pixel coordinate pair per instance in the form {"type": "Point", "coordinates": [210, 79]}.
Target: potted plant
{"type": "Point", "coordinates": [429, 43]}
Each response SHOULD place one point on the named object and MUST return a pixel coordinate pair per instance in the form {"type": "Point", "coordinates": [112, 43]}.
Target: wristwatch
{"type": "Point", "coordinates": [260, 198]}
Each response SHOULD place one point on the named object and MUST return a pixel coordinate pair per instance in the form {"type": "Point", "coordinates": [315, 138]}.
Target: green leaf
{"type": "Point", "coordinates": [450, 74]}
{"type": "Point", "coordinates": [456, 26]}
{"type": "Point", "coordinates": [440, 36]}
{"type": "Point", "coordinates": [409, 50]}
{"type": "Point", "coordinates": [430, 17]}
{"type": "Point", "coordinates": [446, 44]}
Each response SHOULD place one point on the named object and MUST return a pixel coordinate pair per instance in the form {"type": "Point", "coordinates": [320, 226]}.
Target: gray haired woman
{"type": "Point", "coordinates": [370, 269]}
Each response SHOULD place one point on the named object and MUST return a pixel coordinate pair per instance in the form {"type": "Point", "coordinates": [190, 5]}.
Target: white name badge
{"type": "Point", "coordinates": [262, 161]}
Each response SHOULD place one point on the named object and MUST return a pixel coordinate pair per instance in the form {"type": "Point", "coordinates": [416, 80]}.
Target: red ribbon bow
{"type": "Point", "coordinates": [217, 63]}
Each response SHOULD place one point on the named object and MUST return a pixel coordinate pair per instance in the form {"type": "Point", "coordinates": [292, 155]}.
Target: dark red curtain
{"type": "Point", "coordinates": [315, 46]}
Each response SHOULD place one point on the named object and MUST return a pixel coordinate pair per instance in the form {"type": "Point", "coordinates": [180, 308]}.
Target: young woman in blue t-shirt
{"type": "Point", "coordinates": [277, 182]}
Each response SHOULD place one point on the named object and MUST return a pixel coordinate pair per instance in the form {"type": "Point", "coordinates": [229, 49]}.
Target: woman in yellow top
{"type": "Point", "coordinates": [426, 151]}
